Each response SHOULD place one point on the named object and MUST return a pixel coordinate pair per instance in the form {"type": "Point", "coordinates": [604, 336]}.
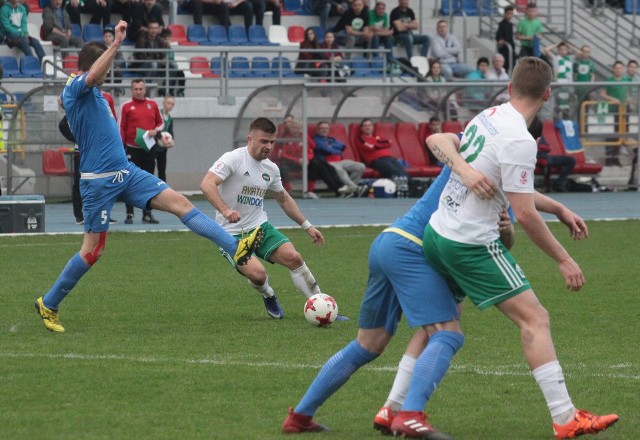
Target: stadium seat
{"type": "Point", "coordinates": [295, 34]}
{"type": "Point", "coordinates": [53, 164]}
{"type": "Point", "coordinates": [258, 36]}
{"type": "Point", "coordinates": [237, 35]}
{"type": "Point", "coordinates": [34, 6]}
{"type": "Point", "coordinates": [421, 64]}
{"type": "Point", "coordinates": [30, 67]}
{"type": "Point", "coordinates": [197, 34]}
{"type": "Point", "coordinates": [200, 65]}
{"type": "Point", "coordinates": [278, 35]}
{"type": "Point", "coordinates": [319, 31]}
{"type": "Point", "coordinates": [183, 65]}
{"type": "Point", "coordinates": [70, 63]}
{"type": "Point", "coordinates": [260, 67]}
{"type": "Point", "coordinates": [217, 35]}
{"type": "Point", "coordinates": [37, 31]}
{"type": "Point", "coordinates": [240, 67]}
{"type": "Point", "coordinates": [76, 30]}
{"type": "Point", "coordinates": [470, 7]}
{"type": "Point", "coordinates": [354, 132]}
{"type": "Point", "coordinates": [294, 6]}
{"type": "Point", "coordinates": [387, 130]}
{"type": "Point", "coordinates": [43, 4]}
{"type": "Point", "coordinates": [10, 67]}
{"type": "Point", "coordinates": [179, 35]}
{"type": "Point", "coordinates": [92, 32]}
{"type": "Point", "coordinates": [553, 138]}
{"type": "Point", "coordinates": [414, 151]}
{"type": "Point", "coordinates": [377, 64]}
{"type": "Point", "coordinates": [282, 63]}
{"type": "Point", "coordinates": [454, 127]}
{"type": "Point", "coordinates": [360, 67]}
{"type": "Point", "coordinates": [216, 66]}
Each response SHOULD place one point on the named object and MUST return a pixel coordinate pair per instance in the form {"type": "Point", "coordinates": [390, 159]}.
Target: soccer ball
{"type": "Point", "coordinates": [320, 310]}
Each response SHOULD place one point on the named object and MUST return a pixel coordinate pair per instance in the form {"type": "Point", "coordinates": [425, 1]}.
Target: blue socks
{"type": "Point", "coordinates": [333, 375]}
{"type": "Point", "coordinates": [208, 228]}
{"type": "Point", "coordinates": [431, 367]}
{"type": "Point", "coordinates": [71, 274]}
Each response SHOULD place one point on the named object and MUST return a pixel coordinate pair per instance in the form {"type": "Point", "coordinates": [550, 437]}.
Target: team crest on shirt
{"type": "Point", "coordinates": [266, 177]}
{"type": "Point", "coordinates": [523, 177]}
{"type": "Point", "coordinates": [217, 166]}
{"type": "Point", "coordinates": [148, 106]}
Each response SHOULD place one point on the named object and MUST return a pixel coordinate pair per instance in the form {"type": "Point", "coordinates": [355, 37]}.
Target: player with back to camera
{"type": "Point", "coordinates": [106, 174]}
{"type": "Point", "coordinates": [236, 185]}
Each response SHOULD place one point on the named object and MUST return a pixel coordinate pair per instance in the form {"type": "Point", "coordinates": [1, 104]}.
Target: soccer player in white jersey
{"type": "Point", "coordinates": [461, 240]}
{"type": "Point", "coordinates": [236, 185]}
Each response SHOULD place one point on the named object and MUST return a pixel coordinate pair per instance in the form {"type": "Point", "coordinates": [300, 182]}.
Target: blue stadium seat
{"type": "Point", "coordinates": [630, 5]}
{"type": "Point", "coordinates": [377, 65]}
{"type": "Point", "coordinates": [217, 35]}
{"type": "Point", "coordinates": [319, 33]}
{"type": "Point", "coordinates": [92, 32]}
{"type": "Point", "coordinates": [76, 30]}
{"type": "Point", "coordinates": [216, 66]}
{"type": "Point", "coordinates": [278, 63]}
{"type": "Point", "coordinates": [238, 36]}
{"type": "Point", "coordinates": [360, 67]}
{"type": "Point", "coordinates": [260, 67]}
{"type": "Point", "coordinates": [470, 7]}
{"type": "Point", "coordinates": [10, 67]}
{"type": "Point", "coordinates": [30, 67]}
{"type": "Point", "coordinates": [27, 105]}
{"type": "Point", "coordinates": [293, 6]}
{"type": "Point", "coordinates": [240, 68]}
{"type": "Point", "coordinates": [258, 36]}
{"type": "Point", "coordinates": [196, 33]}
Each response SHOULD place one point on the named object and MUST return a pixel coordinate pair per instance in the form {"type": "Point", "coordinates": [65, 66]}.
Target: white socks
{"type": "Point", "coordinates": [551, 381]}
{"type": "Point", "coordinates": [265, 290]}
{"type": "Point", "coordinates": [401, 383]}
{"type": "Point", "coordinates": [304, 281]}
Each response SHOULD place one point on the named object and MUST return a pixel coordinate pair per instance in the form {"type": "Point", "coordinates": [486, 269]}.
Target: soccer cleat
{"type": "Point", "coordinates": [584, 423]}
{"type": "Point", "coordinates": [247, 245]}
{"type": "Point", "coordinates": [382, 420]}
{"type": "Point", "coordinates": [273, 307]}
{"type": "Point", "coordinates": [298, 423]}
{"type": "Point", "coordinates": [150, 219]}
{"type": "Point", "coordinates": [413, 424]}
{"type": "Point", "coordinates": [50, 318]}
{"type": "Point", "coordinates": [342, 318]}
{"type": "Point", "coordinates": [129, 219]}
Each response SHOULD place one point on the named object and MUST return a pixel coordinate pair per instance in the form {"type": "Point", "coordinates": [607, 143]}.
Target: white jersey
{"type": "Point", "coordinates": [496, 143]}
{"type": "Point", "coordinates": [245, 183]}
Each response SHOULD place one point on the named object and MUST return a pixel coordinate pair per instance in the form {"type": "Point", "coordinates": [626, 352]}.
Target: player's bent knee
{"type": "Point", "coordinates": [92, 257]}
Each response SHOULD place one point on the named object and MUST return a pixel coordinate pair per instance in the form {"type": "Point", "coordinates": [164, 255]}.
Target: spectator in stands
{"type": "Point", "coordinates": [275, 6]}
{"type": "Point", "coordinates": [632, 71]}
{"type": "Point", "coordinates": [259, 7]}
{"type": "Point", "coordinates": [309, 62]}
{"type": "Point", "coordinates": [73, 8]}
{"type": "Point", "coordinates": [616, 95]}
{"type": "Point", "coordinates": [150, 64]}
{"type": "Point", "coordinates": [375, 151]}
{"type": "Point", "coordinates": [329, 149]}
{"type": "Point", "coordinates": [122, 7]}
{"type": "Point", "coordinates": [324, 8]}
{"type": "Point", "coordinates": [56, 26]}
{"type": "Point", "coordinates": [549, 161]}
{"type": "Point", "coordinates": [482, 67]}
{"type": "Point", "coordinates": [100, 10]}
{"type": "Point", "coordinates": [584, 70]}
{"type": "Point", "coordinates": [216, 8]}
{"type": "Point", "coordinates": [447, 49]}
{"type": "Point", "coordinates": [435, 126]}
{"type": "Point", "coordinates": [334, 58]}
{"type": "Point", "coordinates": [562, 63]}
{"type": "Point", "coordinates": [404, 24]}
{"type": "Point", "coordinates": [504, 38]}
{"type": "Point", "coordinates": [476, 97]}
{"type": "Point", "coordinates": [119, 63]}
{"type": "Point", "coordinates": [379, 25]}
{"type": "Point", "coordinates": [528, 30]}
{"type": "Point", "coordinates": [433, 95]}
{"type": "Point", "coordinates": [142, 13]}
{"type": "Point", "coordinates": [353, 27]}
{"type": "Point", "coordinates": [497, 72]}
{"type": "Point", "coordinates": [241, 7]}
{"type": "Point", "coordinates": [13, 25]}
{"type": "Point", "coordinates": [175, 87]}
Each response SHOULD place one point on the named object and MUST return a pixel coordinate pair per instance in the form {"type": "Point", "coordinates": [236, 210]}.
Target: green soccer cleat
{"type": "Point", "coordinates": [247, 246]}
{"type": "Point", "coordinates": [50, 318]}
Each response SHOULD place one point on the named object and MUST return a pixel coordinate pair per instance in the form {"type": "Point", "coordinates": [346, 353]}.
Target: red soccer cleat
{"type": "Point", "coordinates": [584, 423]}
{"type": "Point", "coordinates": [298, 423]}
{"type": "Point", "coordinates": [413, 424]}
{"type": "Point", "coordinates": [382, 420]}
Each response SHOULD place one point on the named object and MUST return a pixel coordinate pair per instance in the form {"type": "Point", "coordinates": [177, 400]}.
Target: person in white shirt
{"type": "Point", "coordinates": [497, 72]}
{"type": "Point", "coordinates": [446, 48]}
{"type": "Point", "coordinates": [236, 186]}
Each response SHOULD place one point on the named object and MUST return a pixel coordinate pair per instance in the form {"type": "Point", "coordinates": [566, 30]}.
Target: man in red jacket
{"type": "Point", "coordinates": [375, 152]}
{"type": "Point", "coordinates": [140, 113]}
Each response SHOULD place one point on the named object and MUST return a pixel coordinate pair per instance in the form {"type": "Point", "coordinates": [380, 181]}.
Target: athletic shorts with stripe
{"type": "Point", "coordinates": [401, 281]}
{"type": "Point", "coordinates": [487, 274]}
{"type": "Point", "coordinates": [99, 194]}
{"type": "Point", "coordinates": [272, 240]}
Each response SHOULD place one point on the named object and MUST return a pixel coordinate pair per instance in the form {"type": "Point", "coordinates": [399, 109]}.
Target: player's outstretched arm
{"type": "Point", "coordinates": [445, 147]}
{"type": "Point", "coordinates": [524, 208]}
{"type": "Point", "coordinates": [290, 207]}
{"type": "Point", "coordinates": [102, 65]}
{"type": "Point", "coordinates": [577, 227]}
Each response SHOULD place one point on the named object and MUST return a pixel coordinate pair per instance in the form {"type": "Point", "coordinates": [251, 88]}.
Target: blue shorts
{"type": "Point", "coordinates": [401, 280]}
{"type": "Point", "coordinates": [132, 185]}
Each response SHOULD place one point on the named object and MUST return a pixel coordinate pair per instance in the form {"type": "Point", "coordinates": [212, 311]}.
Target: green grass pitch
{"type": "Point", "coordinates": [165, 341]}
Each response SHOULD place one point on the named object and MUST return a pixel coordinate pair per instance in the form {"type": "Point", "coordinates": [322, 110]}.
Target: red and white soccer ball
{"type": "Point", "coordinates": [321, 310]}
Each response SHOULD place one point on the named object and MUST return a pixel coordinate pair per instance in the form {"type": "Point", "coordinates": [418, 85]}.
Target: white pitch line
{"type": "Point", "coordinates": [500, 370]}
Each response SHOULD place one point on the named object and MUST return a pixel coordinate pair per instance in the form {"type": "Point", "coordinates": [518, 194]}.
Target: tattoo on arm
{"type": "Point", "coordinates": [441, 156]}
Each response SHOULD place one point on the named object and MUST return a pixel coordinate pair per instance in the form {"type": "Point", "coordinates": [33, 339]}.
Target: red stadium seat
{"type": "Point", "coordinates": [179, 35]}
{"type": "Point", "coordinates": [452, 127]}
{"type": "Point", "coordinates": [296, 34]}
{"type": "Point", "coordinates": [414, 152]}
{"type": "Point", "coordinates": [200, 65]}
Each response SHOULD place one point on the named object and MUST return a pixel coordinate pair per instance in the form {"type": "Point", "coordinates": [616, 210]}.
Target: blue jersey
{"type": "Point", "coordinates": [94, 127]}
{"type": "Point", "coordinates": [418, 216]}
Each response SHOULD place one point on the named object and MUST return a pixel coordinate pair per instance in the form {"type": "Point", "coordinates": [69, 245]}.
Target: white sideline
{"type": "Point", "coordinates": [501, 370]}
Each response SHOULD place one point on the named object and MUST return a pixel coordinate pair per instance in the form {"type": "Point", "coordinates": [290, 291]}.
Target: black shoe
{"type": "Point", "coordinates": [150, 220]}
{"type": "Point", "coordinates": [79, 221]}
{"type": "Point", "coordinates": [112, 221]}
{"type": "Point", "coordinates": [129, 220]}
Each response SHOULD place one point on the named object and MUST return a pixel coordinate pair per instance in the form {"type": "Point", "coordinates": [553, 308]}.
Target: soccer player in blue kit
{"type": "Point", "coordinates": [106, 174]}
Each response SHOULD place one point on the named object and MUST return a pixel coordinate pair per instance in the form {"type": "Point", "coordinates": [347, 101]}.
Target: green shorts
{"type": "Point", "coordinates": [271, 241]}
{"type": "Point", "coordinates": [487, 274]}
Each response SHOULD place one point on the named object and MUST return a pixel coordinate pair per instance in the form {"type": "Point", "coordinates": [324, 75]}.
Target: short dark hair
{"type": "Point", "coordinates": [365, 120]}
{"type": "Point", "coordinates": [482, 60]}
{"type": "Point", "coordinates": [531, 78]}
{"type": "Point", "coordinates": [632, 62]}
{"type": "Point", "coordinates": [89, 53]}
{"type": "Point", "coordinates": [434, 119]}
{"type": "Point", "coordinates": [508, 9]}
{"type": "Point", "coordinates": [531, 5]}
{"type": "Point", "coordinates": [323, 122]}
{"type": "Point", "coordinates": [263, 124]}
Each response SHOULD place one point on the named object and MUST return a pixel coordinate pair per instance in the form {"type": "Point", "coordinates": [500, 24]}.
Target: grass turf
{"type": "Point", "coordinates": [165, 341]}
